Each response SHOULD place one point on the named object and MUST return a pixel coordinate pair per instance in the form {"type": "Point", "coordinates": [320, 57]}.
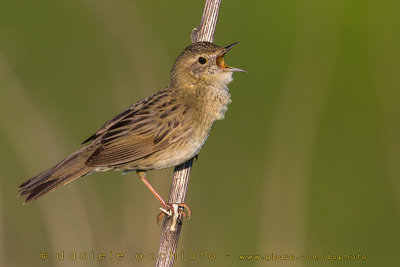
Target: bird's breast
{"type": "Point", "coordinates": [216, 102]}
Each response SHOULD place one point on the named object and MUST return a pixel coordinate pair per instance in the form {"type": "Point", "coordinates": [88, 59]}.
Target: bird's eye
{"type": "Point", "coordinates": [202, 60]}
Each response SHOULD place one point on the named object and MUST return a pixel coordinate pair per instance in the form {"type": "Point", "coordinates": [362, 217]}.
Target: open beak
{"type": "Point", "coordinates": [221, 62]}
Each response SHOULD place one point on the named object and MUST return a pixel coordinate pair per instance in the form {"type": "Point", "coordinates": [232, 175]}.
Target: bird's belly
{"type": "Point", "coordinates": [178, 154]}
{"type": "Point", "coordinates": [175, 154]}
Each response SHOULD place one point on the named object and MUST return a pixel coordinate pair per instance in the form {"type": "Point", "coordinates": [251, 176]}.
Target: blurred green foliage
{"type": "Point", "coordinates": [305, 162]}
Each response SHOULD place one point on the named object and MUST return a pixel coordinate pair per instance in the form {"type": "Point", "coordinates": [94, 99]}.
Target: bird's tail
{"type": "Point", "coordinates": [74, 166]}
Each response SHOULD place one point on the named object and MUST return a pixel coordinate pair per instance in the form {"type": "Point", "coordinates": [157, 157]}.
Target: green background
{"type": "Point", "coordinates": [306, 161]}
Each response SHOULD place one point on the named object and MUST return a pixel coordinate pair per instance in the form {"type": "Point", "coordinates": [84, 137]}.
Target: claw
{"type": "Point", "coordinates": [160, 217]}
{"type": "Point", "coordinates": [182, 208]}
{"type": "Point", "coordinates": [174, 210]}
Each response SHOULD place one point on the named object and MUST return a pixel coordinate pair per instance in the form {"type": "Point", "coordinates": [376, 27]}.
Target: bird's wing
{"type": "Point", "coordinates": [152, 126]}
{"type": "Point", "coordinates": [132, 109]}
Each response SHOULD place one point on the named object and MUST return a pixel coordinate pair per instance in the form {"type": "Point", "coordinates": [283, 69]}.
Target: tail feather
{"type": "Point", "coordinates": [71, 168]}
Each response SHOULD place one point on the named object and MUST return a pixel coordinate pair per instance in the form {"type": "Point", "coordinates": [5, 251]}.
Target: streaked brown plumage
{"type": "Point", "coordinates": [163, 130]}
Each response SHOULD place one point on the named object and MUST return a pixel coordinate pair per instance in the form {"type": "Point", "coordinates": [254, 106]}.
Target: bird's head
{"type": "Point", "coordinates": [203, 62]}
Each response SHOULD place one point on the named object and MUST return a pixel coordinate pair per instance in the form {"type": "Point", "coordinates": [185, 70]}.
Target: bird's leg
{"type": "Point", "coordinates": [142, 176]}
{"type": "Point", "coordinates": [166, 208]}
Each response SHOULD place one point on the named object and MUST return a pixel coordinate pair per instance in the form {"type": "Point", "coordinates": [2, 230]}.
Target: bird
{"type": "Point", "coordinates": [163, 130]}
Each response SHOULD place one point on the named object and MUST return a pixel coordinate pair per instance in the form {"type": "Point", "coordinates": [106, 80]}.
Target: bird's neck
{"type": "Point", "coordinates": [208, 100]}
{"type": "Point", "coordinates": [217, 99]}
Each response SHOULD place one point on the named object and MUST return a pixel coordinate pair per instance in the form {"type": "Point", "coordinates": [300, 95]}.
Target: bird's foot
{"type": "Point", "coordinates": [174, 210]}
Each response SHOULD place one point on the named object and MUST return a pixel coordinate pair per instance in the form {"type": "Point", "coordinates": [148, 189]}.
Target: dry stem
{"type": "Point", "coordinates": [171, 227]}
